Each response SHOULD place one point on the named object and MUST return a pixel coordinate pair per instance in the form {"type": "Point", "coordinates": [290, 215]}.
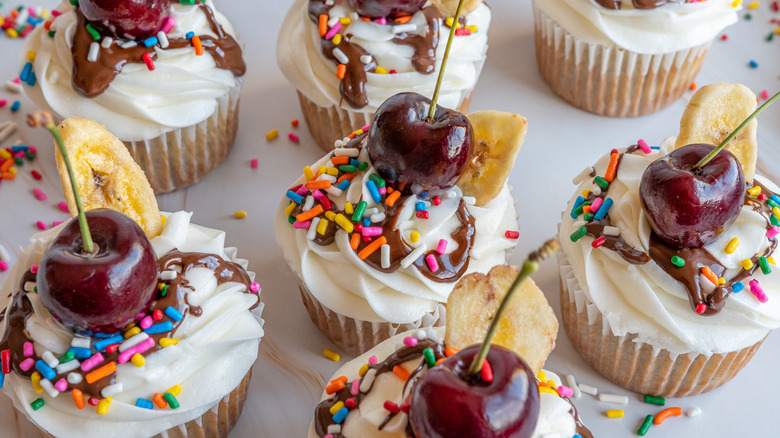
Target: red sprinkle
{"type": "Point", "coordinates": [148, 60]}
{"type": "Point", "coordinates": [512, 234]}
{"type": "Point", "coordinates": [294, 122]}
{"type": "Point", "coordinates": [700, 308]}
{"type": "Point", "coordinates": [422, 214]}
{"type": "Point", "coordinates": [36, 175]}
{"type": "Point", "coordinates": [406, 405]}
{"type": "Point", "coordinates": [157, 315]}
{"type": "Point", "coordinates": [762, 196]}
{"type": "Point", "coordinates": [724, 37]}
{"type": "Point", "coordinates": [775, 6]}
{"type": "Point", "coordinates": [34, 269]}
{"type": "Point", "coordinates": [487, 371]}
{"type": "Point", "coordinates": [293, 137]}
{"type": "Point", "coordinates": [112, 348]}
{"type": "Point", "coordinates": [326, 204]}
{"type": "Point", "coordinates": [462, 31]}
{"type": "Point", "coordinates": [350, 402]}
{"type": "Point", "coordinates": [93, 401]}
{"type": "Point", "coordinates": [436, 200]}
{"type": "Point", "coordinates": [392, 407]}
{"type": "Point", "coordinates": [6, 358]}
{"type": "Point", "coordinates": [598, 242]}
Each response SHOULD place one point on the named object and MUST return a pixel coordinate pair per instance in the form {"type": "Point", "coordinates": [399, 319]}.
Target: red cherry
{"type": "Point", "coordinates": [126, 19]}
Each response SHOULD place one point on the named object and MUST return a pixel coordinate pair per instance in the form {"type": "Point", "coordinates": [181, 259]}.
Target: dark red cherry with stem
{"type": "Point", "coordinates": [690, 207]}
{"type": "Point", "coordinates": [126, 19]}
{"type": "Point", "coordinates": [106, 289]}
{"type": "Point", "coordinates": [387, 8]}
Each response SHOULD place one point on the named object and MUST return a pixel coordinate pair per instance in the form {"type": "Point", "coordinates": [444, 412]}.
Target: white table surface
{"type": "Point", "coordinates": [289, 375]}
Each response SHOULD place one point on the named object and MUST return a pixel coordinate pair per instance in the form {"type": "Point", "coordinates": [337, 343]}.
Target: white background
{"type": "Point", "coordinates": [561, 140]}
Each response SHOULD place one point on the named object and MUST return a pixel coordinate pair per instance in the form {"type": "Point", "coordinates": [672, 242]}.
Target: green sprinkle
{"type": "Point", "coordinates": [653, 400]}
{"type": "Point", "coordinates": [74, 2]}
{"type": "Point", "coordinates": [52, 33]}
{"type": "Point", "coordinates": [92, 31]}
{"type": "Point", "coordinates": [361, 207]}
{"type": "Point", "coordinates": [748, 16]}
{"type": "Point", "coordinates": [37, 403]}
{"type": "Point", "coordinates": [378, 180]}
{"type": "Point", "coordinates": [18, 161]}
{"type": "Point", "coordinates": [172, 402]}
{"type": "Point", "coordinates": [577, 211]}
{"type": "Point", "coordinates": [679, 262]}
{"type": "Point", "coordinates": [601, 182]}
{"type": "Point", "coordinates": [29, 155]}
{"type": "Point", "coordinates": [764, 265]}
{"type": "Point", "coordinates": [771, 36]}
{"type": "Point", "coordinates": [346, 168]}
{"type": "Point", "coordinates": [363, 166]}
{"type": "Point", "coordinates": [645, 426]}
{"type": "Point", "coordinates": [291, 219]}
{"type": "Point", "coordinates": [577, 235]}
{"type": "Point", "coordinates": [775, 221]}
{"type": "Point", "coordinates": [164, 291]}
{"type": "Point", "coordinates": [187, 2]}
{"type": "Point", "coordinates": [67, 357]}
{"type": "Point", "coordinates": [772, 202]}
{"type": "Point", "coordinates": [430, 359]}
{"type": "Point", "coordinates": [588, 217]}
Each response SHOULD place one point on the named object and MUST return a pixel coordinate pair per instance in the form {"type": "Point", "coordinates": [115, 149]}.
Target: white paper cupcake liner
{"type": "Point", "coordinates": [607, 79]}
{"type": "Point", "coordinates": [636, 365]}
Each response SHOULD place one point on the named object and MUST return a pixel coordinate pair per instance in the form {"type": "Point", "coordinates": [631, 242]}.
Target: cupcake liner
{"type": "Point", "coordinates": [327, 124]}
{"type": "Point", "coordinates": [636, 365]}
{"type": "Point", "coordinates": [355, 336]}
{"type": "Point", "coordinates": [609, 80]}
{"type": "Point", "coordinates": [182, 157]}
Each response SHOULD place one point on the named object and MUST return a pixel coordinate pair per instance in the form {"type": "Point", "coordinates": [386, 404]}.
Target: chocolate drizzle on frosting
{"type": "Point", "coordinates": [638, 4]}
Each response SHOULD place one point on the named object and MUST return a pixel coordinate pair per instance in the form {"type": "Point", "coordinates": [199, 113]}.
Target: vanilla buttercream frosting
{"type": "Point", "coordinates": [300, 56]}
{"type": "Point", "coordinates": [642, 298]}
{"type": "Point", "coordinates": [139, 104]}
{"type": "Point", "coordinates": [216, 348]}
{"type": "Point", "coordinates": [666, 29]}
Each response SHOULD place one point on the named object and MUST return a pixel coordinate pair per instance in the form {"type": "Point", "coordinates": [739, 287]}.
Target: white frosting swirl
{"type": "Point", "coordinates": [644, 299]}
{"type": "Point", "coordinates": [139, 104]}
{"type": "Point", "coordinates": [555, 416]}
{"type": "Point", "coordinates": [214, 352]}
{"type": "Point", "coordinates": [300, 57]}
{"type": "Point", "coordinates": [665, 29]}
{"type": "Point", "coordinates": [347, 285]}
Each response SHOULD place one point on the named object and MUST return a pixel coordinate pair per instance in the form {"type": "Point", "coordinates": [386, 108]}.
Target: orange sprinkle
{"type": "Point", "coordinates": [612, 167]}
{"type": "Point", "coordinates": [450, 351]}
{"type": "Point", "coordinates": [101, 372]}
{"type": "Point", "coordinates": [390, 190]}
{"type": "Point", "coordinates": [7, 165]}
{"type": "Point", "coordinates": [693, 85]}
{"type": "Point", "coordinates": [318, 184]}
{"type": "Point", "coordinates": [306, 215]}
{"type": "Point", "coordinates": [341, 71]}
{"type": "Point", "coordinates": [403, 20]}
{"type": "Point", "coordinates": [710, 275]}
{"type": "Point", "coordinates": [47, 26]}
{"type": "Point", "coordinates": [294, 122]}
{"type": "Point", "coordinates": [15, 13]}
{"type": "Point", "coordinates": [355, 241]}
{"type": "Point", "coordinates": [323, 24]}
{"type": "Point", "coordinates": [371, 247]}
{"type": "Point", "coordinates": [365, 19]}
{"type": "Point", "coordinates": [346, 176]}
{"type": "Point", "coordinates": [198, 45]}
{"type": "Point", "coordinates": [666, 413]}
{"type": "Point", "coordinates": [337, 161]}
{"type": "Point", "coordinates": [351, 136]}
{"type": "Point", "coordinates": [78, 398]}
{"type": "Point", "coordinates": [586, 209]}
{"type": "Point", "coordinates": [441, 360]}
{"type": "Point", "coordinates": [160, 401]}
{"type": "Point", "coordinates": [8, 175]}
{"type": "Point", "coordinates": [401, 373]}
{"type": "Point", "coordinates": [392, 198]}
{"type": "Point", "coordinates": [340, 379]}
{"type": "Point", "coordinates": [334, 387]}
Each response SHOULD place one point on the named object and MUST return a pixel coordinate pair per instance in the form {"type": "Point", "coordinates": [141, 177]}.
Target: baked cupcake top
{"type": "Point", "coordinates": [140, 87]}
{"type": "Point", "coordinates": [336, 56]}
{"type": "Point", "coordinates": [667, 26]}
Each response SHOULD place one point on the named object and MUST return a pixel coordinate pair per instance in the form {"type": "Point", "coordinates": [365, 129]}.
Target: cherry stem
{"type": "Point", "coordinates": [455, 21]}
{"type": "Point", "coordinates": [530, 266]}
{"type": "Point", "coordinates": [736, 132]}
{"type": "Point", "coordinates": [43, 118]}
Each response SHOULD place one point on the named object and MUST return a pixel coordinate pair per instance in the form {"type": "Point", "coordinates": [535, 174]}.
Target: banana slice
{"type": "Point", "coordinates": [449, 7]}
{"type": "Point", "coordinates": [106, 174]}
{"type": "Point", "coordinates": [498, 138]}
{"type": "Point", "coordinates": [713, 113]}
{"type": "Point", "coordinates": [528, 327]}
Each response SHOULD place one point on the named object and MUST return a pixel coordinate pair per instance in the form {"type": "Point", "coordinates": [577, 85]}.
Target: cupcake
{"type": "Point", "coordinates": [199, 318]}
{"type": "Point", "coordinates": [664, 292]}
{"type": "Point", "coordinates": [346, 58]}
{"type": "Point", "coordinates": [165, 79]}
{"type": "Point", "coordinates": [376, 253]}
{"type": "Point", "coordinates": [621, 58]}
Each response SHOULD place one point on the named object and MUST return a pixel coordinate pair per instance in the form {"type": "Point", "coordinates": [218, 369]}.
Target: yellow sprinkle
{"type": "Point", "coordinates": [771, 260]}
{"type": "Point", "coordinates": [288, 211]}
{"type": "Point", "coordinates": [13, 170]}
{"type": "Point", "coordinates": [732, 245]}
{"type": "Point", "coordinates": [344, 223]}
{"type": "Point", "coordinates": [585, 193]}
{"type": "Point", "coordinates": [31, 55]}
{"type": "Point", "coordinates": [336, 39]}
{"type": "Point", "coordinates": [542, 376]}
{"type": "Point", "coordinates": [164, 220]}
{"type": "Point", "coordinates": [472, 28]}
{"type": "Point", "coordinates": [167, 342]}
{"type": "Point", "coordinates": [345, 20]}
{"type": "Point", "coordinates": [736, 3]}
{"type": "Point", "coordinates": [138, 360]}
{"type": "Point", "coordinates": [348, 209]}
{"type": "Point", "coordinates": [548, 390]}
{"type": "Point", "coordinates": [754, 191]}
{"type": "Point", "coordinates": [45, 13]}
{"type": "Point", "coordinates": [12, 33]}
{"type": "Point", "coordinates": [132, 332]}
{"type": "Point", "coordinates": [330, 354]}
{"type": "Point", "coordinates": [308, 174]}
{"type": "Point", "coordinates": [776, 211]}
{"type": "Point", "coordinates": [415, 236]}
{"type": "Point", "coordinates": [102, 407]}
{"type": "Point", "coordinates": [777, 31]}
{"type": "Point", "coordinates": [160, 286]}
{"type": "Point", "coordinates": [362, 372]}
{"type": "Point", "coordinates": [380, 70]}
{"type": "Point", "coordinates": [272, 134]}
{"type": "Point", "coordinates": [551, 384]}
{"type": "Point", "coordinates": [336, 407]}
{"type": "Point", "coordinates": [615, 413]}
{"type": "Point", "coordinates": [331, 216]}
{"type": "Point", "coordinates": [240, 214]}
{"type": "Point", "coordinates": [721, 281]}
{"type": "Point", "coordinates": [175, 390]}
{"type": "Point", "coordinates": [359, 131]}
{"type": "Point", "coordinates": [323, 225]}
{"type": "Point", "coordinates": [747, 264]}
{"type": "Point", "coordinates": [4, 154]}
{"type": "Point", "coordinates": [332, 171]}
{"type": "Point", "coordinates": [449, 22]}
{"type": "Point", "coordinates": [753, 5]}
{"type": "Point", "coordinates": [36, 382]}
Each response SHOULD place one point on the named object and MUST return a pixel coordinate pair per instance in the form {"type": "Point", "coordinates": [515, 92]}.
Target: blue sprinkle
{"type": "Point", "coordinates": [576, 435]}
{"type": "Point", "coordinates": [173, 314]}
{"type": "Point", "coordinates": [344, 185]}
{"type": "Point", "coordinates": [294, 197]}
{"type": "Point", "coordinates": [602, 213]}
{"type": "Point", "coordinates": [81, 353]}
{"type": "Point", "coordinates": [146, 404]}
{"type": "Point", "coordinates": [775, 198]}
{"type": "Point", "coordinates": [753, 64]}
{"type": "Point", "coordinates": [19, 148]}
{"type": "Point", "coordinates": [45, 370]}
{"type": "Point", "coordinates": [101, 345]}
{"type": "Point", "coordinates": [340, 415]}
{"type": "Point", "coordinates": [34, 21]}
{"type": "Point", "coordinates": [737, 287]}
{"type": "Point", "coordinates": [374, 191]}
{"type": "Point", "coordinates": [579, 201]}
{"type": "Point", "coordinates": [159, 328]}
{"type": "Point", "coordinates": [100, 335]}
{"type": "Point", "coordinates": [655, 147]}
{"type": "Point", "coordinates": [420, 206]}
{"type": "Point", "coordinates": [31, 79]}
{"type": "Point", "coordinates": [151, 41]}
{"type": "Point", "coordinates": [25, 72]}
{"type": "Point", "coordinates": [366, 222]}
{"type": "Point", "coordinates": [189, 35]}
{"type": "Point", "coordinates": [354, 162]}
{"type": "Point", "coordinates": [2, 379]}
{"type": "Point", "coordinates": [423, 195]}
{"type": "Point", "coordinates": [15, 106]}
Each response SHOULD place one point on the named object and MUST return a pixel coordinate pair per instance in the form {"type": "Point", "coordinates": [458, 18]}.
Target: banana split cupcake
{"type": "Point", "coordinates": [164, 78]}
{"type": "Point", "coordinates": [625, 58]}
{"type": "Point", "coordinates": [346, 58]}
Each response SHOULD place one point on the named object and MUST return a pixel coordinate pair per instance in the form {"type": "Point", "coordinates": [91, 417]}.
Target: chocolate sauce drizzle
{"type": "Point", "coordinates": [638, 4]}
{"type": "Point", "coordinates": [20, 310]}
{"type": "Point", "coordinates": [91, 79]}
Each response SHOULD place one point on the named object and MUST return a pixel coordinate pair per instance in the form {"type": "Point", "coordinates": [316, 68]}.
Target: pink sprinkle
{"type": "Point", "coordinates": [644, 146]}
{"type": "Point", "coordinates": [333, 31]}
{"type": "Point", "coordinates": [63, 206]}
{"type": "Point", "coordinates": [92, 362]}
{"type": "Point", "coordinates": [381, 20]}
{"type": "Point", "coordinates": [32, 149]}
{"type": "Point", "coordinates": [764, 94]}
{"type": "Point", "coordinates": [772, 232]}
{"type": "Point", "coordinates": [17, 81]}
{"type": "Point", "coordinates": [27, 364]}
{"type": "Point", "coordinates": [34, 269]}
{"type": "Point", "coordinates": [410, 341]}
{"type": "Point", "coordinates": [55, 223]}
{"type": "Point", "coordinates": [442, 246]}
{"type": "Point", "coordinates": [170, 22]}
{"type": "Point", "coordinates": [372, 360]}
{"type": "Point", "coordinates": [255, 163]}
{"type": "Point", "coordinates": [254, 287]}
{"type": "Point", "coordinates": [382, 190]}
{"type": "Point", "coordinates": [758, 292]}
{"type": "Point", "coordinates": [487, 371]}
{"type": "Point", "coordinates": [432, 263]}
{"type": "Point", "coordinates": [303, 191]}
{"type": "Point", "coordinates": [3, 103]}
{"type": "Point", "coordinates": [330, 435]}
{"type": "Point", "coordinates": [56, 13]}
{"type": "Point", "coordinates": [28, 349]}
{"type": "Point", "coordinates": [316, 193]}
{"type": "Point", "coordinates": [594, 207]}
{"type": "Point", "coordinates": [371, 231]}
{"type": "Point", "coordinates": [139, 316]}
{"type": "Point", "coordinates": [302, 225]}
{"type": "Point", "coordinates": [365, 128]}
{"type": "Point", "coordinates": [565, 391]}
{"type": "Point", "coordinates": [3, 266]}
{"type": "Point", "coordinates": [140, 348]}
{"type": "Point", "coordinates": [41, 225]}
{"type": "Point", "coordinates": [512, 234]}
{"type": "Point", "coordinates": [293, 137]}
{"type": "Point", "coordinates": [61, 385]}
{"type": "Point", "coordinates": [146, 322]}
{"type": "Point", "coordinates": [355, 389]}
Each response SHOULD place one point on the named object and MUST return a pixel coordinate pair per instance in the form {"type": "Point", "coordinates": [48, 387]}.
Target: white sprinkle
{"type": "Point", "coordinates": [408, 27]}
{"type": "Point", "coordinates": [312, 232]}
{"type": "Point", "coordinates": [24, 14]}
{"type": "Point", "coordinates": [370, 211]}
{"type": "Point", "coordinates": [4, 255]}
{"type": "Point", "coordinates": [132, 342]}
{"type": "Point", "coordinates": [573, 385]}
{"type": "Point", "coordinates": [583, 175]}
{"type": "Point", "coordinates": [379, 217]}
{"type": "Point", "coordinates": [366, 59]}
{"type": "Point", "coordinates": [334, 429]}
{"type": "Point", "coordinates": [80, 342]}
{"type": "Point", "coordinates": [325, 176]}
{"type": "Point", "coordinates": [596, 190]}
{"type": "Point", "coordinates": [346, 140]}
{"type": "Point", "coordinates": [420, 335]}
{"type": "Point", "coordinates": [693, 412]}
{"type": "Point", "coordinates": [353, 16]}
{"type": "Point", "coordinates": [469, 200]}
{"type": "Point", "coordinates": [110, 390]}
{"type": "Point", "coordinates": [74, 378]}
{"type": "Point", "coordinates": [176, 268]}
{"type": "Point", "coordinates": [29, 286]}
{"type": "Point", "coordinates": [49, 388]}
{"type": "Point", "coordinates": [6, 129]}
{"type": "Point", "coordinates": [346, 152]}
{"type": "Point", "coordinates": [54, 77]}
{"type": "Point", "coordinates": [414, 255]}
{"type": "Point", "coordinates": [338, 143]}
{"type": "Point", "coordinates": [385, 256]}
{"type": "Point", "coordinates": [106, 43]}
{"type": "Point", "coordinates": [308, 203]}
{"type": "Point", "coordinates": [162, 38]}
{"type": "Point", "coordinates": [611, 231]}
{"type": "Point", "coordinates": [50, 360]}
{"type": "Point", "coordinates": [13, 87]}
{"type": "Point", "coordinates": [451, 194]}
{"type": "Point", "coordinates": [340, 56]}
{"type": "Point", "coordinates": [67, 366]}
{"type": "Point", "coordinates": [329, 2]}
{"type": "Point", "coordinates": [333, 190]}
{"type": "Point", "coordinates": [587, 389]}
{"type": "Point", "coordinates": [94, 51]}
{"type": "Point", "coordinates": [368, 380]}
{"type": "Point", "coordinates": [128, 44]}
{"type": "Point", "coordinates": [614, 398]}
{"type": "Point", "coordinates": [333, 20]}
{"type": "Point", "coordinates": [168, 275]}
{"type": "Point", "coordinates": [579, 223]}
